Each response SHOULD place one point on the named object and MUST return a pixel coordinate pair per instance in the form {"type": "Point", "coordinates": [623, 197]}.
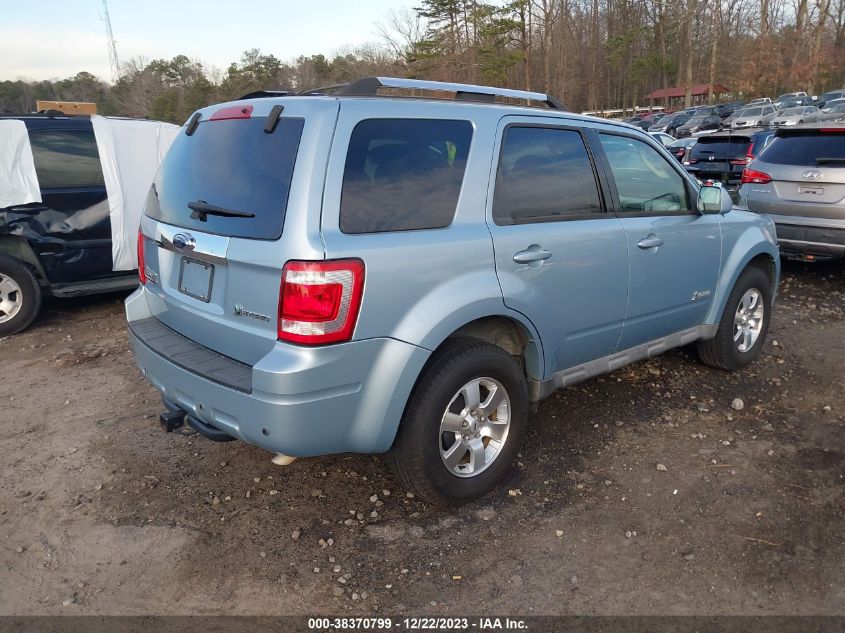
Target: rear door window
{"type": "Point", "coordinates": [545, 174]}
{"type": "Point", "coordinates": [232, 164]}
{"type": "Point", "coordinates": [807, 150]}
{"type": "Point", "coordinates": [403, 174]}
{"type": "Point", "coordinates": [66, 158]}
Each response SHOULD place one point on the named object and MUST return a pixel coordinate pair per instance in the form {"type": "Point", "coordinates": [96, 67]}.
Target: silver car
{"type": "Point", "coordinates": [799, 181]}
{"type": "Point", "coordinates": [758, 116]}
{"type": "Point", "coordinates": [665, 139]}
{"type": "Point", "coordinates": [796, 115]}
{"type": "Point", "coordinates": [789, 95]}
{"type": "Point", "coordinates": [834, 113]}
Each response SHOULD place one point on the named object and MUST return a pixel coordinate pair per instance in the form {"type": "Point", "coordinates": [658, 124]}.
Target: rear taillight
{"type": "Point", "coordinates": [691, 161]}
{"type": "Point", "coordinates": [319, 301]}
{"type": "Point", "coordinates": [739, 161]}
{"type": "Point", "coordinates": [752, 176]}
{"type": "Point", "coordinates": [749, 153]}
{"type": "Point", "coordinates": [142, 274]}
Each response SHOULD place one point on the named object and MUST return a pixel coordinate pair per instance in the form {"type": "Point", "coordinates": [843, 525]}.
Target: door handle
{"type": "Point", "coordinates": [533, 253]}
{"type": "Point", "coordinates": [651, 241]}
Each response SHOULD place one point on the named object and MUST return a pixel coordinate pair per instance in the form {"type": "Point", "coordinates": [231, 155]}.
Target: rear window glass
{"type": "Point", "coordinates": [66, 158]}
{"type": "Point", "coordinates": [544, 174]}
{"type": "Point", "coordinates": [403, 174]}
{"type": "Point", "coordinates": [806, 149]}
{"type": "Point", "coordinates": [232, 164]}
{"type": "Point", "coordinates": [721, 148]}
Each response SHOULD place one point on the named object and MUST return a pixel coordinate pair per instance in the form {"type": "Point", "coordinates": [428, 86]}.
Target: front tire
{"type": "Point", "coordinates": [744, 325]}
{"type": "Point", "coordinates": [20, 296]}
{"type": "Point", "coordinates": [462, 424]}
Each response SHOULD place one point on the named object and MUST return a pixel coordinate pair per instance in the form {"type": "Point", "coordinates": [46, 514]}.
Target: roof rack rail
{"type": "Point", "coordinates": [369, 86]}
{"type": "Point", "coordinates": [323, 90]}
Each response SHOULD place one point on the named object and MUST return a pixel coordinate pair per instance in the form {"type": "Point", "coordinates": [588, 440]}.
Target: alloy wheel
{"type": "Point", "coordinates": [474, 427]}
{"type": "Point", "coordinates": [11, 298]}
{"type": "Point", "coordinates": [748, 320]}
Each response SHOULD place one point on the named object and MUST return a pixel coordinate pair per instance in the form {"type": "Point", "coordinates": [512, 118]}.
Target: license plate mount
{"type": "Point", "coordinates": [195, 279]}
{"type": "Point", "coordinates": [810, 190]}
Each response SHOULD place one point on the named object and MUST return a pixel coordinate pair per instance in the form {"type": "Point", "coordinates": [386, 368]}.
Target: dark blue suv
{"type": "Point", "coordinates": [61, 246]}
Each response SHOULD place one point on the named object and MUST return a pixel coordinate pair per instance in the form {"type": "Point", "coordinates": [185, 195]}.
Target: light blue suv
{"type": "Point", "coordinates": [360, 272]}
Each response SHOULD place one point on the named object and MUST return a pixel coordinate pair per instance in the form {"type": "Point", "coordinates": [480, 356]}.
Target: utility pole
{"type": "Point", "coordinates": [114, 62]}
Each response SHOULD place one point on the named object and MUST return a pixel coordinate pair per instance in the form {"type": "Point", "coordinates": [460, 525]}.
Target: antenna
{"type": "Point", "coordinates": [114, 62]}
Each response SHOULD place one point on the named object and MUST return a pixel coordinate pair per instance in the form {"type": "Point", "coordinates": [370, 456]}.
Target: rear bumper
{"type": "Point", "coordinates": [810, 240]}
{"type": "Point", "coordinates": [800, 230]}
{"type": "Point", "coordinates": [805, 235]}
{"type": "Point", "coordinates": [299, 401]}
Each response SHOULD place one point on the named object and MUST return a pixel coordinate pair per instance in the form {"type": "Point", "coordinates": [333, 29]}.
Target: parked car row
{"type": "Point", "coordinates": [793, 173]}
{"type": "Point", "coordinates": [788, 109]}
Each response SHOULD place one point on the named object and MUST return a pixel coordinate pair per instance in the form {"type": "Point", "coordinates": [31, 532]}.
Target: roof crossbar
{"type": "Point", "coordinates": [369, 86]}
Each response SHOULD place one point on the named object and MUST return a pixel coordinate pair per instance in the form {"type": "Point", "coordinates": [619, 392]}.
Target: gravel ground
{"type": "Point", "coordinates": [667, 487]}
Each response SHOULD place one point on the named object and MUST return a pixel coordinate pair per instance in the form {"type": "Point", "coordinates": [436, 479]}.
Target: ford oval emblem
{"type": "Point", "coordinates": [183, 240]}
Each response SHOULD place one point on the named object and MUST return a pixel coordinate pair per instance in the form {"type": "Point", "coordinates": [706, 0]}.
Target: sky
{"type": "Point", "coordinates": [54, 39]}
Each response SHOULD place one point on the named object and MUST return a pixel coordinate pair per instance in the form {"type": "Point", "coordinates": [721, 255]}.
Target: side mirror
{"type": "Point", "coordinates": [713, 199]}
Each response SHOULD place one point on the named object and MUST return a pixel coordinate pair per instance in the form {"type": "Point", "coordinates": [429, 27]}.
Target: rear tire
{"type": "Point", "coordinates": [744, 325]}
{"type": "Point", "coordinates": [453, 447]}
{"type": "Point", "coordinates": [20, 296]}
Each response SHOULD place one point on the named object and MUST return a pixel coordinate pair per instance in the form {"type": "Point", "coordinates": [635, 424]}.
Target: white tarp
{"type": "Point", "coordinates": [130, 152]}
{"type": "Point", "coordinates": [18, 181]}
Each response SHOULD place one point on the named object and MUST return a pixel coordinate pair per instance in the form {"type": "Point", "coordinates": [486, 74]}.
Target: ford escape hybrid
{"type": "Point", "coordinates": [357, 272]}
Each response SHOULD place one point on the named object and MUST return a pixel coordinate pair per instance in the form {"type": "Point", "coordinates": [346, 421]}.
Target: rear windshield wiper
{"type": "Point", "coordinates": [200, 210]}
{"type": "Point", "coordinates": [831, 159]}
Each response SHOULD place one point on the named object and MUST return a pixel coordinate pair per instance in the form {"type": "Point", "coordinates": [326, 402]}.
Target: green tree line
{"type": "Point", "coordinates": [590, 53]}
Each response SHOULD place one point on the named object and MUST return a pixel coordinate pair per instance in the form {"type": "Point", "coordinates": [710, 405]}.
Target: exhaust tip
{"type": "Point", "coordinates": [283, 460]}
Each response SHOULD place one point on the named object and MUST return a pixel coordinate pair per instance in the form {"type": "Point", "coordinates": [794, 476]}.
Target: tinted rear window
{"type": "Point", "coordinates": [232, 164]}
{"type": "Point", "coordinates": [544, 174]}
{"type": "Point", "coordinates": [727, 148]}
{"type": "Point", "coordinates": [66, 158]}
{"type": "Point", "coordinates": [805, 149]}
{"type": "Point", "coordinates": [403, 174]}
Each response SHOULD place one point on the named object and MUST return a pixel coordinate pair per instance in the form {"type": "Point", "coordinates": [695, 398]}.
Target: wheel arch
{"type": "Point", "coordinates": [18, 248]}
{"type": "Point", "coordinates": [514, 333]}
{"type": "Point", "coordinates": [763, 255]}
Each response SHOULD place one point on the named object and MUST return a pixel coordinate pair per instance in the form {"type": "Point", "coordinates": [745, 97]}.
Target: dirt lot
{"type": "Point", "coordinates": [103, 513]}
